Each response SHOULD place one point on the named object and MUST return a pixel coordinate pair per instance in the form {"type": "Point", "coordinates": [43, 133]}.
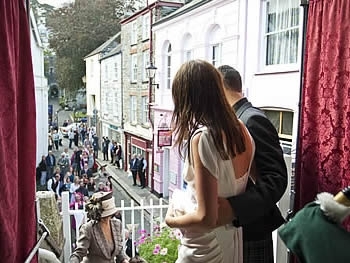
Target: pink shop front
{"type": "Point", "coordinates": [167, 163]}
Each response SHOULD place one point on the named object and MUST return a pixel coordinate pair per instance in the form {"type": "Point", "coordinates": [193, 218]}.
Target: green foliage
{"type": "Point", "coordinates": [62, 102]}
{"type": "Point", "coordinates": [76, 30]}
{"type": "Point", "coordinates": [162, 247]}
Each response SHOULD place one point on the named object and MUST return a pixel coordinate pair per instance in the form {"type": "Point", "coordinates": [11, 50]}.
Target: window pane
{"type": "Point", "coordinates": [287, 123]}
{"type": "Point", "coordinates": [282, 31]}
{"type": "Point", "coordinates": [274, 117]}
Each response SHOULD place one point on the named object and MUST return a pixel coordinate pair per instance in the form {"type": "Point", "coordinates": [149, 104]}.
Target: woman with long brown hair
{"type": "Point", "coordinates": [218, 155]}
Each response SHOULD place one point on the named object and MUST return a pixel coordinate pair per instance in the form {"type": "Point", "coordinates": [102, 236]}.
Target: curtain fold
{"type": "Point", "coordinates": [323, 155]}
{"type": "Point", "coordinates": [17, 135]}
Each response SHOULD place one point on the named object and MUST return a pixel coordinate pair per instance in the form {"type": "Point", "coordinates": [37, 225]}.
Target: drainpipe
{"type": "Point", "coordinates": [150, 96]}
{"type": "Point", "coordinates": [305, 5]}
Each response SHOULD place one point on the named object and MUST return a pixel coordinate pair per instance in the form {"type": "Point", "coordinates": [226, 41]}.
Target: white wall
{"type": "Point", "coordinates": [41, 92]}
{"type": "Point", "coordinates": [277, 86]}
{"type": "Point", "coordinates": [93, 84]}
{"type": "Point", "coordinates": [197, 23]}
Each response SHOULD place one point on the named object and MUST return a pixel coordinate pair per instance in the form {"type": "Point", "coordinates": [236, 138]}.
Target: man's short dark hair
{"type": "Point", "coordinates": [232, 78]}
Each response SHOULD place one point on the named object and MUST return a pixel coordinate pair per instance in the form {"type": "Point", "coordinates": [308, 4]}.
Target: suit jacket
{"type": "Point", "coordinates": [49, 162]}
{"type": "Point", "coordinates": [92, 247]}
{"type": "Point", "coordinates": [256, 209]}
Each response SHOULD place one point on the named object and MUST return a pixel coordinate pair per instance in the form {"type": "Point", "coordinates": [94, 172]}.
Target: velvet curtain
{"type": "Point", "coordinates": [17, 135]}
{"type": "Point", "coordinates": [323, 154]}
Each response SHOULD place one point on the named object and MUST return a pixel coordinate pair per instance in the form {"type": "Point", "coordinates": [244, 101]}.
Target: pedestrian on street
{"type": "Point", "coordinates": [56, 139]}
{"type": "Point", "coordinates": [42, 171]}
{"type": "Point", "coordinates": [50, 164]}
{"type": "Point", "coordinates": [71, 138]}
{"type": "Point", "coordinates": [111, 150]}
{"type": "Point", "coordinates": [95, 145]}
{"type": "Point", "coordinates": [133, 167]}
{"type": "Point", "coordinates": [142, 165]}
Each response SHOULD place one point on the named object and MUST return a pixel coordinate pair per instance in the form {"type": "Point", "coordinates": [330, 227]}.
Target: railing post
{"type": "Point", "coordinates": [161, 211]}
{"type": "Point", "coordinates": [123, 222]}
{"type": "Point", "coordinates": [142, 214]}
{"type": "Point", "coordinates": [152, 217]}
{"type": "Point", "coordinates": [66, 226]}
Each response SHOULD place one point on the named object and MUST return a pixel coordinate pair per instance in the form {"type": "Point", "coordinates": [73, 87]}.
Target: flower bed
{"type": "Point", "coordinates": [162, 247]}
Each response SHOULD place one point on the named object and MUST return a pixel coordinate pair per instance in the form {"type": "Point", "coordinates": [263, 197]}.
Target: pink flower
{"type": "Point", "coordinates": [157, 246]}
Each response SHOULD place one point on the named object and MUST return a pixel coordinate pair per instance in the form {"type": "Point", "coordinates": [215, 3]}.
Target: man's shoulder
{"type": "Point", "coordinates": [248, 111]}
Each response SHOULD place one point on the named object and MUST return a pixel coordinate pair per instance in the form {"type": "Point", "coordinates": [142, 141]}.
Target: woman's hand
{"type": "Point", "coordinates": [225, 213]}
{"type": "Point", "coordinates": [169, 217]}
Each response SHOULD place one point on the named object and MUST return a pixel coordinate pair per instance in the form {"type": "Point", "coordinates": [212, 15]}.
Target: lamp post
{"type": "Point", "coordinates": [151, 72]}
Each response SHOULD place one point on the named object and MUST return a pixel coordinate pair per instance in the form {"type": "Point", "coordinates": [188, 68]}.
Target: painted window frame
{"type": "Point", "coordinates": [168, 62]}
{"type": "Point", "coordinates": [292, 64]}
{"type": "Point", "coordinates": [133, 38]}
{"type": "Point", "coordinates": [144, 110]}
{"type": "Point", "coordinates": [145, 64]}
{"type": "Point", "coordinates": [133, 109]}
{"type": "Point", "coordinates": [133, 68]}
{"type": "Point", "coordinates": [145, 26]}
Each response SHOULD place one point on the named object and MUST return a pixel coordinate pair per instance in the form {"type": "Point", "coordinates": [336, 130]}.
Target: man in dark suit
{"type": "Point", "coordinates": [50, 164]}
{"type": "Point", "coordinates": [256, 209]}
{"type": "Point", "coordinates": [133, 166]}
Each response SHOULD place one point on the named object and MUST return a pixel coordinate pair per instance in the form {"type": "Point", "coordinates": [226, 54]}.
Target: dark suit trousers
{"type": "Point", "coordinates": [134, 175]}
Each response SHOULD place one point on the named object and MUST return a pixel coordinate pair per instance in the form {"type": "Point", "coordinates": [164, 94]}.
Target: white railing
{"type": "Point", "coordinates": [153, 213]}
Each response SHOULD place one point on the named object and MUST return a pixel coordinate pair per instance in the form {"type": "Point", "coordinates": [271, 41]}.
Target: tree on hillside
{"type": "Point", "coordinates": [79, 28]}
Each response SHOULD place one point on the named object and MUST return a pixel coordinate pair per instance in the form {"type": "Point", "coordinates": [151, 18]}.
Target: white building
{"type": "Point", "coordinates": [234, 33]}
{"type": "Point", "coordinates": [111, 95]}
{"type": "Point", "coordinates": [41, 90]}
{"type": "Point", "coordinates": [93, 80]}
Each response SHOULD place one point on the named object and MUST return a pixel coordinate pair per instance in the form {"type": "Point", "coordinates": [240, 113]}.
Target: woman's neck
{"type": "Point", "coordinates": [105, 221]}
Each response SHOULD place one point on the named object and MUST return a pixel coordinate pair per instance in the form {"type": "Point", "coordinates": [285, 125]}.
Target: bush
{"type": "Point", "coordinates": [162, 247]}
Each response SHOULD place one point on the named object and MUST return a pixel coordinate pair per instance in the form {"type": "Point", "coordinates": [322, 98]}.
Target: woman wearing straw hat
{"type": "Point", "coordinates": [100, 239]}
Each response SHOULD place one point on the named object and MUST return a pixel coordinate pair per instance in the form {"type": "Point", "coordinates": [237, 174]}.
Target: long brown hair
{"type": "Point", "coordinates": [199, 100]}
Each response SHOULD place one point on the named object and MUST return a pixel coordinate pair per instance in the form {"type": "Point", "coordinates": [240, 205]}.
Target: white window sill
{"type": "Point", "coordinates": [277, 69]}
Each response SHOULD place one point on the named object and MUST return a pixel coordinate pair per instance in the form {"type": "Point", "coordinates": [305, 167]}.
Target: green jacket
{"type": "Point", "coordinates": [315, 239]}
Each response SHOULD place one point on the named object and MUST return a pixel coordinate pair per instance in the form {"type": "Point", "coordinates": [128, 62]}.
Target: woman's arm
{"type": "Point", "coordinates": [206, 215]}
{"type": "Point", "coordinates": [83, 245]}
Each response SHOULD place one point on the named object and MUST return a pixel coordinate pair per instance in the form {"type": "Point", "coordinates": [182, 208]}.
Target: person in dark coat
{"type": "Point", "coordinates": [50, 164]}
{"type": "Point", "coordinates": [41, 171]}
{"type": "Point", "coordinates": [270, 177]}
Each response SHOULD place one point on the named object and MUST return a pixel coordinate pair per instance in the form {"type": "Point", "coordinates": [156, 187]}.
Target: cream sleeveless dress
{"type": "Point", "coordinates": [223, 244]}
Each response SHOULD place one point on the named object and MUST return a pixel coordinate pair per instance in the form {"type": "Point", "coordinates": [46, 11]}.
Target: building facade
{"type": "Point", "coordinates": [179, 39]}
{"type": "Point", "coordinates": [261, 40]}
{"type": "Point", "coordinates": [111, 96]}
{"type": "Point", "coordinates": [138, 92]}
{"type": "Point", "coordinates": [41, 90]}
{"type": "Point", "coordinates": [93, 81]}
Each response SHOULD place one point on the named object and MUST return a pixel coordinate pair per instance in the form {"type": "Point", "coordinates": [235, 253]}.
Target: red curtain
{"type": "Point", "coordinates": [17, 135]}
{"type": "Point", "coordinates": [323, 155]}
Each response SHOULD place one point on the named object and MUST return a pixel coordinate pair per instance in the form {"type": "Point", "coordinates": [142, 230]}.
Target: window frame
{"type": "Point", "coordinates": [145, 26]}
{"type": "Point", "coordinates": [144, 110]}
{"type": "Point", "coordinates": [133, 68]}
{"type": "Point", "coordinates": [215, 62]}
{"type": "Point", "coordinates": [263, 67]}
{"type": "Point", "coordinates": [145, 63]}
{"type": "Point", "coordinates": [168, 62]}
{"type": "Point", "coordinates": [281, 135]}
{"type": "Point", "coordinates": [133, 38]}
{"type": "Point", "coordinates": [133, 109]}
